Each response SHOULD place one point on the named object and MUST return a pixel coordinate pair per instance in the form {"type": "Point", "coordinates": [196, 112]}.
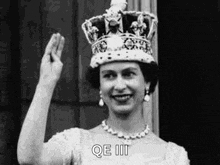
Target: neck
{"type": "Point", "coordinates": [127, 123]}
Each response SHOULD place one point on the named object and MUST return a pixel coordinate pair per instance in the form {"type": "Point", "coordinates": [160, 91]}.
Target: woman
{"type": "Point", "coordinates": [123, 65]}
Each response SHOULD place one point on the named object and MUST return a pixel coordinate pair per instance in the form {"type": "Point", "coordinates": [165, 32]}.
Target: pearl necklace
{"type": "Point", "coordinates": [127, 138]}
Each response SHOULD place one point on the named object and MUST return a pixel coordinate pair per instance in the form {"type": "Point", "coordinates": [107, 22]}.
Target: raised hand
{"type": "Point", "coordinates": [50, 71]}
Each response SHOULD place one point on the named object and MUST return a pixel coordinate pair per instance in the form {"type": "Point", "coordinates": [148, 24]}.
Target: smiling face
{"type": "Point", "coordinates": [122, 85]}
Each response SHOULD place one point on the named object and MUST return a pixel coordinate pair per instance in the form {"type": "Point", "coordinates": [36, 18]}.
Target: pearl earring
{"type": "Point", "coordinates": [147, 96]}
{"type": "Point", "coordinates": [101, 102]}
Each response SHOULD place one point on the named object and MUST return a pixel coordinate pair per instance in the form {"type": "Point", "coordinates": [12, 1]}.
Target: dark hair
{"type": "Point", "coordinates": [149, 70]}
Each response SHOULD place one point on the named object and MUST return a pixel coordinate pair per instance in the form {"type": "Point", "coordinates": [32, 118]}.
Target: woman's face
{"type": "Point", "coordinates": [122, 85]}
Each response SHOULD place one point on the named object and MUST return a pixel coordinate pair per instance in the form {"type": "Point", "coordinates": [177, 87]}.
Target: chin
{"type": "Point", "coordinates": [122, 113]}
{"type": "Point", "coordinates": [122, 109]}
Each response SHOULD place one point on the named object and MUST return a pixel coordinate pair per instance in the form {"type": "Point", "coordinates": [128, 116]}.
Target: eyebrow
{"type": "Point", "coordinates": [124, 70]}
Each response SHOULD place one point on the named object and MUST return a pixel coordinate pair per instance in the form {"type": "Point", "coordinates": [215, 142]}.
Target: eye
{"type": "Point", "coordinates": [129, 74]}
{"type": "Point", "coordinates": [109, 76]}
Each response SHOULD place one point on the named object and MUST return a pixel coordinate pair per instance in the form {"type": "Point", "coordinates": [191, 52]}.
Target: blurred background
{"type": "Point", "coordinates": [188, 50]}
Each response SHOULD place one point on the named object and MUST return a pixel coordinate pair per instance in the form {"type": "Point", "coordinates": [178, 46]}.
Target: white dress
{"type": "Point", "coordinates": [76, 146]}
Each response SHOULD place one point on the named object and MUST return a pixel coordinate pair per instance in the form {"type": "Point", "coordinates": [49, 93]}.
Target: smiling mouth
{"type": "Point", "coordinates": [122, 98]}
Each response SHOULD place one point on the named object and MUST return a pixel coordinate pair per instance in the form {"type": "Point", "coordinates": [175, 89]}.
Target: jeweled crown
{"type": "Point", "coordinates": [120, 35]}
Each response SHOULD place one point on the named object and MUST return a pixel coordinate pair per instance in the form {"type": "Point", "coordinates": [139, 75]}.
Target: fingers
{"type": "Point", "coordinates": [54, 48]}
{"type": "Point", "coordinates": [60, 47]}
{"type": "Point", "coordinates": [56, 42]}
{"type": "Point", "coordinates": [46, 57]}
{"type": "Point", "coordinates": [50, 44]}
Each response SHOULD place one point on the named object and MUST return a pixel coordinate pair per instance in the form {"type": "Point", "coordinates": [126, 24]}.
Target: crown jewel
{"type": "Point", "coordinates": [120, 35]}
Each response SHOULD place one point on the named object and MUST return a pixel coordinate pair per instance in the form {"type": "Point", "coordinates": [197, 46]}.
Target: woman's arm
{"type": "Point", "coordinates": [30, 148]}
{"type": "Point", "coordinates": [30, 144]}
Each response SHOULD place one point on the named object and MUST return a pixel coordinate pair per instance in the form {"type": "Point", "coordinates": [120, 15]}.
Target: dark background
{"type": "Point", "coordinates": [189, 90]}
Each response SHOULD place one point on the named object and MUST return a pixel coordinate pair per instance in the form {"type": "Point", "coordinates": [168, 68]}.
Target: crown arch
{"type": "Point", "coordinates": [151, 110]}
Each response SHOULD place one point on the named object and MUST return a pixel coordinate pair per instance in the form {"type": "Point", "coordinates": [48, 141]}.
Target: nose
{"type": "Point", "coordinates": [120, 84]}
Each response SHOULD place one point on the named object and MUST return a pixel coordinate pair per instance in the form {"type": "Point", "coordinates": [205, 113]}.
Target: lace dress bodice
{"type": "Point", "coordinates": [76, 145]}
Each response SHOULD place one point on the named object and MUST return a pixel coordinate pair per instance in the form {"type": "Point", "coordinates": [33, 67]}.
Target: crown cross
{"type": "Point", "coordinates": [114, 26]}
{"type": "Point", "coordinates": [114, 23]}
